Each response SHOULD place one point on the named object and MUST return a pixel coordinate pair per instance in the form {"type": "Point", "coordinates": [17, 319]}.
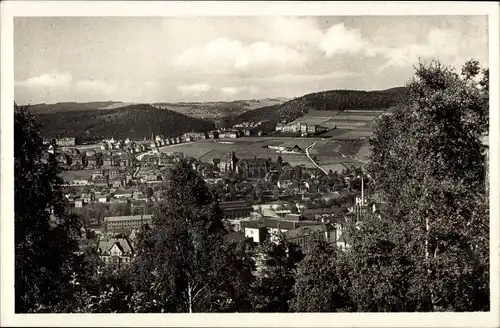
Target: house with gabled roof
{"type": "Point", "coordinates": [116, 250]}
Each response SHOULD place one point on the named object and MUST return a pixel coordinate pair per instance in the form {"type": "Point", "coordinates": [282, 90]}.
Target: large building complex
{"type": "Point", "coordinates": [127, 222]}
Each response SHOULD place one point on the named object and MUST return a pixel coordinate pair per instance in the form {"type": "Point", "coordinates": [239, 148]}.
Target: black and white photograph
{"type": "Point", "coordinates": [262, 162]}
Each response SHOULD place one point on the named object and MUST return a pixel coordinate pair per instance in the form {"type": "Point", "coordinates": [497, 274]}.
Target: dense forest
{"type": "Point", "coordinates": [325, 100]}
{"type": "Point", "coordinates": [134, 121]}
{"type": "Point", "coordinates": [340, 100]}
{"type": "Point", "coordinates": [269, 115]}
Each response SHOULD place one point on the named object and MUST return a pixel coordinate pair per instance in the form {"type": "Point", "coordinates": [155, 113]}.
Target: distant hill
{"type": "Point", "coordinates": [216, 111]}
{"type": "Point", "coordinates": [340, 100]}
{"type": "Point", "coordinates": [268, 113]}
{"type": "Point", "coordinates": [325, 100]}
{"type": "Point", "coordinates": [74, 106]}
{"type": "Point", "coordinates": [133, 121]}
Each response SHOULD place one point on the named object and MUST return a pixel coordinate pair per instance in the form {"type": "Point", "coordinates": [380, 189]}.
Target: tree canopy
{"type": "Point", "coordinates": [182, 264]}
{"type": "Point", "coordinates": [46, 236]}
{"type": "Point", "coordinates": [428, 166]}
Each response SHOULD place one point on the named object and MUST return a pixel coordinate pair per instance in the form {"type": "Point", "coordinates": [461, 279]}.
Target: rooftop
{"type": "Point", "coordinates": [126, 217]}
{"type": "Point", "coordinates": [305, 231]}
{"type": "Point", "coordinates": [105, 245]}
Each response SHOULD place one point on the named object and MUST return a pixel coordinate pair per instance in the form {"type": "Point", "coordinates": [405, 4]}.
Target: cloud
{"type": "Point", "coordinates": [48, 80]}
{"type": "Point", "coordinates": [231, 91]}
{"type": "Point", "coordinates": [439, 43]}
{"type": "Point", "coordinates": [296, 31]}
{"type": "Point", "coordinates": [194, 89]}
{"type": "Point", "coordinates": [338, 39]}
{"type": "Point", "coordinates": [223, 55]}
{"type": "Point", "coordinates": [96, 86]}
{"type": "Point", "coordinates": [300, 78]}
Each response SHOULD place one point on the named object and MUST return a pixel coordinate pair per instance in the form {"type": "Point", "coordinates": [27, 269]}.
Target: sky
{"type": "Point", "coordinates": [171, 59]}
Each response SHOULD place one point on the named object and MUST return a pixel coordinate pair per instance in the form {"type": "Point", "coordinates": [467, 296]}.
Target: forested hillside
{"type": "Point", "coordinates": [325, 100]}
{"type": "Point", "coordinates": [134, 121]}
{"type": "Point", "coordinates": [340, 100]}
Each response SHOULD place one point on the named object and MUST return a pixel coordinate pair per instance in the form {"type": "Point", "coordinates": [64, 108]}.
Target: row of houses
{"type": "Point", "coordinates": [74, 159]}
{"type": "Point", "coordinates": [127, 145]}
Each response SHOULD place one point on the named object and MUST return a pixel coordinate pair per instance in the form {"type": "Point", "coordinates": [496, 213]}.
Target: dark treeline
{"type": "Point", "coordinates": [135, 122]}
{"type": "Point", "coordinates": [428, 250]}
{"type": "Point", "coordinates": [325, 100]}
{"type": "Point", "coordinates": [269, 115]}
{"type": "Point", "coordinates": [341, 100]}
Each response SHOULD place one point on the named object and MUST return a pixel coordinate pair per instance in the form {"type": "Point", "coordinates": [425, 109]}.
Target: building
{"type": "Point", "coordinates": [256, 168]}
{"type": "Point", "coordinates": [77, 160]}
{"type": "Point", "coordinates": [113, 173]}
{"type": "Point", "coordinates": [107, 160]}
{"type": "Point", "coordinates": [342, 239]}
{"type": "Point", "coordinates": [315, 214]}
{"type": "Point", "coordinates": [66, 142]}
{"type": "Point", "coordinates": [236, 237]}
{"type": "Point", "coordinates": [194, 136]}
{"type": "Point", "coordinates": [292, 127]}
{"type": "Point", "coordinates": [311, 129]}
{"type": "Point", "coordinates": [93, 160]}
{"type": "Point", "coordinates": [228, 163]}
{"type": "Point", "coordinates": [213, 134]}
{"type": "Point", "coordinates": [63, 159]}
{"type": "Point", "coordinates": [255, 230]}
{"type": "Point", "coordinates": [236, 209]}
{"type": "Point", "coordinates": [303, 235]}
{"type": "Point", "coordinates": [104, 199]}
{"type": "Point", "coordinates": [86, 198]}
{"type": "Point", "coordinates": [285, 184]}
{"type": "Point", "coordinates": [229, 134]}
{"type": "Point", "coordinates": [127, 222]}
{"type": "Point", "coordinates": [118, 251]}
{"type": "Point", "coordinates": [124, 160]}
{"type": "Point", "coordinates": [79, 182]}
{"type": "Point", "coordinates": [164, 159]}
{"type": "Point", "coordinates": [149, 160]}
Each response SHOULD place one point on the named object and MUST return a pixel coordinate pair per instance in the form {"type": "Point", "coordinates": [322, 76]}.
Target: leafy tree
{"type": "Point", "coordinates": [182, 265]}
{"type": "Point", "coordinates": [321, 279]}
{"type": "Point", "coordinates": [149, 192]}
{"type": "Point", "coordinates": [46, 236]}
{"type": "Point", "coordinates": [383, 275]}
{"type": "Point", "coordinates": [426, 159]}
{"type": "Point", "coordinates": [292, 207]}
{"type": "Point", "coordinates": [274, 285]}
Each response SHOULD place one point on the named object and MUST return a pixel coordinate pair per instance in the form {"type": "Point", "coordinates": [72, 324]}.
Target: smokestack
{"type": "Point", "coordinates": [362, 190]}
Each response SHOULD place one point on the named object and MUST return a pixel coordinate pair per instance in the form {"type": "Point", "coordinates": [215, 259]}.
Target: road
{"type": "Point", "coordinates": [312, 160]}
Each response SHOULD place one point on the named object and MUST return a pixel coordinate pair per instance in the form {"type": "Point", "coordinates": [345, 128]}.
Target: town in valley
{"type": "Point", "coordinates": [251, 164]}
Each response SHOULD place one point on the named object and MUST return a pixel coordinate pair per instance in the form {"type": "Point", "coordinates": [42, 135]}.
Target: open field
{"type": "Point", "coordinates": [312, 120]}
{"type": "Point", "coordinates": [329, 151]}
{"type": "Point", "coordinates": [355, 118]}
{"type": "Point", "coordinates": [322, 113]}
{"type": "Point", "coordinates": [248, 147]}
